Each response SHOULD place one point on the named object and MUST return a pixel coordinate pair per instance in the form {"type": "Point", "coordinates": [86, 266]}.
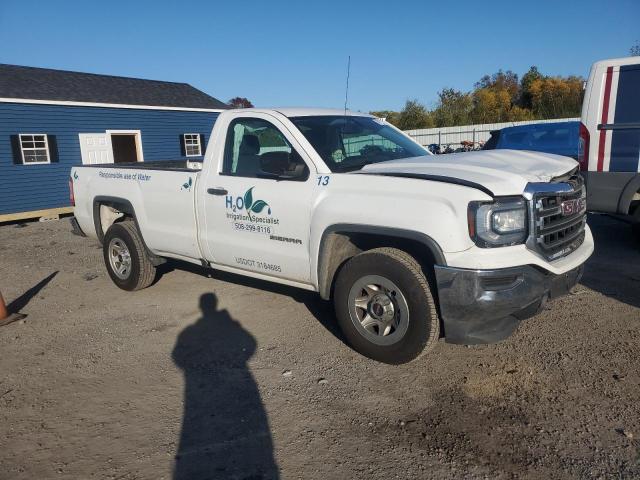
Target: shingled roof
{"type": "Point", "coordinates": [60, 85]}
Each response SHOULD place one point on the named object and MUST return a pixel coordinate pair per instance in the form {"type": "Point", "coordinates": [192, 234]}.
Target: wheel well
{"type": "Point", "coordinates": [338, 247]}
{"type": "Point", "coordinates": [107, 212]}
{"type": "Point", "coordinates": [629, 200]}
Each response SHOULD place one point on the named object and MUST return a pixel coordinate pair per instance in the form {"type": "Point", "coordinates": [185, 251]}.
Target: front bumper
{"type": "Point", "coordinates": [486, 306]}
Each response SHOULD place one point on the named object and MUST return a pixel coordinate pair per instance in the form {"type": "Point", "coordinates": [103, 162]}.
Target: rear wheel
{"type": "Point", "coordinates": [126, 257]}
{"type": "Point", "coordinates": [384, 306]}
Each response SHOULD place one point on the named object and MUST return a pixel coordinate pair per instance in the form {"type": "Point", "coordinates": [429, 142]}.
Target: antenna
{"type": "Point", "coordinates": [346, 93]}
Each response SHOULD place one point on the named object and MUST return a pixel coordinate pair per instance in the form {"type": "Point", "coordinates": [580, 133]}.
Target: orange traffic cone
{"type": "Point", "coordinates": [3, 309]}
{"type": "Point", "coordinates": [5, 317]}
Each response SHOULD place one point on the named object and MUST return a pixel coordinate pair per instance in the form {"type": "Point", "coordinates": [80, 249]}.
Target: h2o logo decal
{"type": "Point", "coordinates": [246, 202]}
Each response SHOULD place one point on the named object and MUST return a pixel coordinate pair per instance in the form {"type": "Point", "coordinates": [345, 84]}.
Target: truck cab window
{"type": "Point", "coordinates": [256, 148]}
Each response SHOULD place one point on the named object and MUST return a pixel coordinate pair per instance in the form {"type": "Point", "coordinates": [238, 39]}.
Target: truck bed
{"type": "Point", "coordinates": [162, 165]}
{"type": "Point", "coordinates": [161, 193]}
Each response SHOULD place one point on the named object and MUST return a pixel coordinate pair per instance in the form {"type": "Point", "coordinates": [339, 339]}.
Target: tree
{"type": "Point", "coordinates": [525, 86]}
{"type": "Point", "coordinates": [240, 102]}
{"type": "Point", "coordinates": [490, 105]}
{"type": "Point", "coordinates": [499, 81]}
{"type": "Point", "coordinates": [413, 115]}
{"type": "Point", "coordinates": [495, 106]}
{"type": "Point", "coordinates": [453, 108]}
{"type": "Point", "coordinates": [634, 51]}
{"type": "Point", "coordinates": [557, 97]}
{"type": "Point", "coordinates": [496, 98]}
{"type": "Point", "coordinates": [519, 114]}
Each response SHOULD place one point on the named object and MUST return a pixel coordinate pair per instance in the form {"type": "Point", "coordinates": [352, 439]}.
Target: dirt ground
{"type": "Point", "coordinates": [208, 375]}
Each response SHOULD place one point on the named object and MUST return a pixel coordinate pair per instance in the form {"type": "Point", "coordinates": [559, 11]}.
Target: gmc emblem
{"type": "Point", "coordinates": [572, 207]}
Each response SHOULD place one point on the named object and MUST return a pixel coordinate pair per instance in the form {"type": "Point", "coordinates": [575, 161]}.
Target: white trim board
{"type": "Point", "coordinates": [104, 105]}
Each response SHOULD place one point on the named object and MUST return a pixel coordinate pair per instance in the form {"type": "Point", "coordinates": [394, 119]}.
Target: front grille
{"type": "Point", "coordinates": [556, 230]}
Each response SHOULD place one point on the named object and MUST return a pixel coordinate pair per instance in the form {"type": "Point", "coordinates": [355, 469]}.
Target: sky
{"type": "Point", "coordinates": [294, 53]}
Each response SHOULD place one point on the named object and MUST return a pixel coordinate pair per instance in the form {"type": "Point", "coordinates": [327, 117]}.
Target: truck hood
{"type": "Point", "coordinates": [501, 172]}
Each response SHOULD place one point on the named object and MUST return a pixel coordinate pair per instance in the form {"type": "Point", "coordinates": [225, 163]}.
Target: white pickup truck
{"type": "Point", "coordinates": [410, 247]}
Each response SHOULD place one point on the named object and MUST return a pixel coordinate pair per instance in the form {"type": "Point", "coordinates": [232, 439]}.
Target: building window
{"type": "Point", "coordinates": [192, 147]}
{"type": "Point", "coordinates": [34, 148]}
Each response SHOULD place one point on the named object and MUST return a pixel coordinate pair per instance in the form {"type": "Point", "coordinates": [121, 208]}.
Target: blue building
{"type": "Point", "coordinates": [51, 120]}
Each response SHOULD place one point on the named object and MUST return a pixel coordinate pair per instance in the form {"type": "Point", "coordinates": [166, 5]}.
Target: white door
{"type": "Point", "coordinates": [257, 209]}
{"type": "Point", "coordinates": [95, 148]}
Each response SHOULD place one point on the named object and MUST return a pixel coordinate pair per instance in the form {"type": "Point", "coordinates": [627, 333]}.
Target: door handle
{"type": "Point", "coordinates": [217, 191]}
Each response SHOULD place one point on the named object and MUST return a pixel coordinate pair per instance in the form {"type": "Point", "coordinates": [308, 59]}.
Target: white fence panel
{"type": "Point", "coordinates": [468, 133]}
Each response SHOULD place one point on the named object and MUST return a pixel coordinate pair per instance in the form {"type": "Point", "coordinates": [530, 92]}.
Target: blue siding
{"type": "Point", "coordinates": [36, 187]}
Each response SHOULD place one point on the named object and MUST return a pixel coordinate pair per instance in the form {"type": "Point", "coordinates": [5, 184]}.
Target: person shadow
{"type": "Point", "coordinates": [225, 431]}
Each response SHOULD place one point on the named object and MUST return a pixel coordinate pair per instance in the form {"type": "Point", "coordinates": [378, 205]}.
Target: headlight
{"type": "Point", "coordinates": [498, 224]}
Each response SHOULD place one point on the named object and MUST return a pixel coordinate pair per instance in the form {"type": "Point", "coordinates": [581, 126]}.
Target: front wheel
{"type": "Point", "coordinates": [384, 306]}
{"type": "Point", "coordinates": [126, 257]}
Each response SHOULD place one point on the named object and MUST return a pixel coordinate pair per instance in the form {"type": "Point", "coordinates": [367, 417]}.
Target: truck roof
{"type": "Point", "coordinates": [306, 111]}
{"type": "Point", "coordinates": [616, 62]}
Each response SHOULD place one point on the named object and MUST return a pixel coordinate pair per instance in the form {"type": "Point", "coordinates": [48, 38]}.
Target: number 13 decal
{"type": "Point", "coordinates": [323, 180]}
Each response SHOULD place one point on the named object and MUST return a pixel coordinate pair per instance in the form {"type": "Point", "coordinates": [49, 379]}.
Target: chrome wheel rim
{"type": "Point", "coordinates": [378, 310]}
{"type": "Point", "coordinates": [119, 258]}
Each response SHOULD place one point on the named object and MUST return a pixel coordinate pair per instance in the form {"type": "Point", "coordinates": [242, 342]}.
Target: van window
{"type": "Point", "coordinates": [628, 97]}
{"type": "Point", "coordinates": [625, 143]}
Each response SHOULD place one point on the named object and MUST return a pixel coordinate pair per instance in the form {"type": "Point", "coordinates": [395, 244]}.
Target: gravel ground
{"type": "Point", "coordinates": [208, 375]}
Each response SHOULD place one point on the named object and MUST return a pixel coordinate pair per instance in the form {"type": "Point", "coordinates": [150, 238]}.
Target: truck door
{"type": "Point", "coordinates": [257, 201]}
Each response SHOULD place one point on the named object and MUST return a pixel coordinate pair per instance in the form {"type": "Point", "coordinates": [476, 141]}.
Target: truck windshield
{"type": "Point", "coordinates": [349, 143]}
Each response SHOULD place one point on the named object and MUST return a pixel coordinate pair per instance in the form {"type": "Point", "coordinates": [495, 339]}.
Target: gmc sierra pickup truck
{"type": "Point", "coordinates": [410, 247]}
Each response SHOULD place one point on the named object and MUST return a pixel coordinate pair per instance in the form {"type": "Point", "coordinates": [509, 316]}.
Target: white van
{"type": "Point", "coordinates": [610, 138]}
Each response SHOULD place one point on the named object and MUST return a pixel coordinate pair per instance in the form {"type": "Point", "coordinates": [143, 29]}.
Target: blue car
{"type": "Point", "coordinates": [560, 138]}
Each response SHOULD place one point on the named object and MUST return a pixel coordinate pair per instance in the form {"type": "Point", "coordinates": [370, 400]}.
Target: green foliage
{"type": "Point", "coordinates": [556, 97]}
{"type": "Point", "coordinates": [413, 115]}
{"type": "Point", "coordinates": [634, 51]}
{"type": "Point", "coordinates": [454, 108]}
{"type": "Point", "coordinates": [499, 82]}
{"type": "Point", "coordinates": [496, 98]}
{"type": "Point", "coordinates": [525, 86]}
{"type": "Point", "coordinates": [520, 114]}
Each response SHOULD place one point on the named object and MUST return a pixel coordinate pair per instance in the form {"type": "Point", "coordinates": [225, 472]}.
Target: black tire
{"type": "Point", "coordinates": [403, 271]}
{"type": "Point", "coordinates": [141, 272]}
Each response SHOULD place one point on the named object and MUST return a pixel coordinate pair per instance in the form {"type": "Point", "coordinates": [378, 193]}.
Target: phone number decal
{"type": "Point", "coordinates": [252, 227]}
